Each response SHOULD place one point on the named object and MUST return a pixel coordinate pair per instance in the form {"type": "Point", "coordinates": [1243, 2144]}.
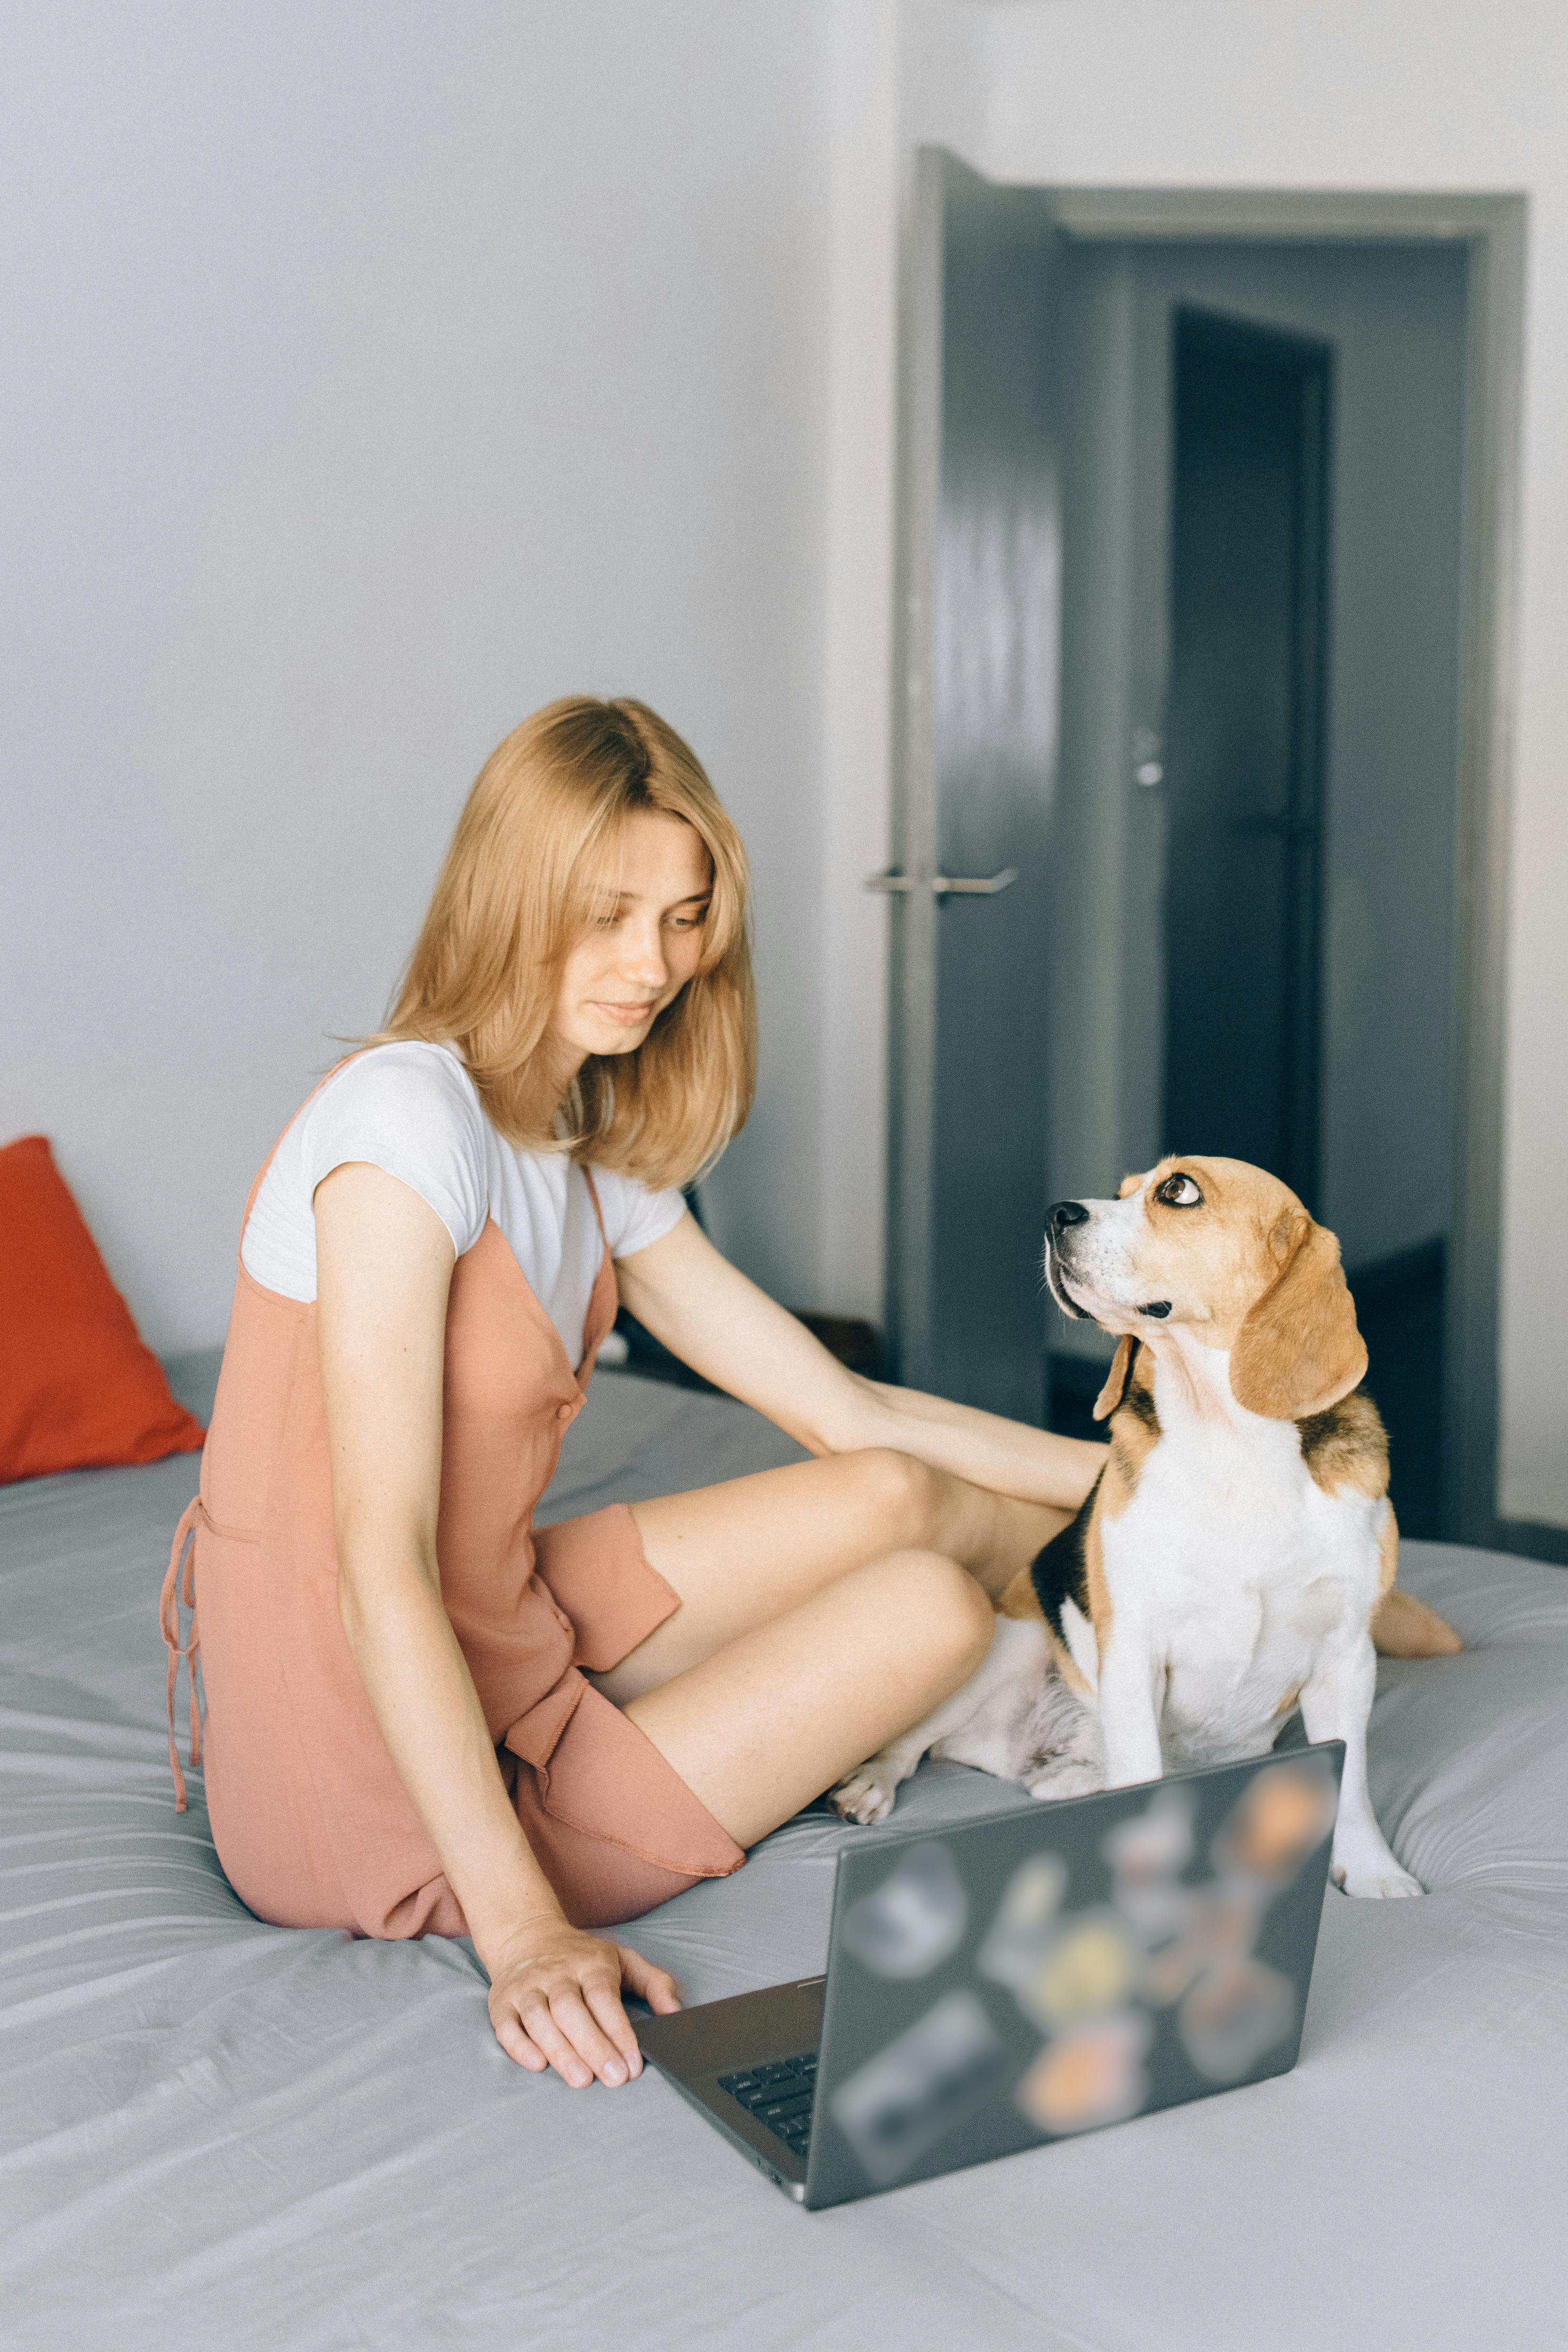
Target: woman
{"type": "Point", "coordinates": [421, 1716]}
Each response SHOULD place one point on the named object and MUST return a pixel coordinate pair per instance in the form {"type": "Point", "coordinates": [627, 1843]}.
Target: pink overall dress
{"type": "Point", "coordinates": [311, 1822]}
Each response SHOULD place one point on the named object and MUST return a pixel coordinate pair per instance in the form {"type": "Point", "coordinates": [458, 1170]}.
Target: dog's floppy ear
{"type": "Point", "coordinates": [1299, 1352]}
{"type": "Point", "coordinates": [1109, 1396]}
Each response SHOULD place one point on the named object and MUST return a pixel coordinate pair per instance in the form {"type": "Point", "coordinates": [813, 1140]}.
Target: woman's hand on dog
{"type": "Point", "coordinates": [555, 2001]}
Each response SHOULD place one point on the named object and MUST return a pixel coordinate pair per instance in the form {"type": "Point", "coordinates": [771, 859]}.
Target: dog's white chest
{"type": "Point", "coordinates": [1234, 1569]}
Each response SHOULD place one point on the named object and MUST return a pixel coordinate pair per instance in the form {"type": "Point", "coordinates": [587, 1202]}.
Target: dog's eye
{"type": "Point", "coordinates": [1179, 1191]}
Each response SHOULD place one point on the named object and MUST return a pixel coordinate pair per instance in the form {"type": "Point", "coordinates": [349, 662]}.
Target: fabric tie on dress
{"type": "Point", "coordinates": [182, 1553]}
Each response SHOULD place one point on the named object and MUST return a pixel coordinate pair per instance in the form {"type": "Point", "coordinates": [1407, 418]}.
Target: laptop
{"type": "Point", "coordinates": [1024, 1978]}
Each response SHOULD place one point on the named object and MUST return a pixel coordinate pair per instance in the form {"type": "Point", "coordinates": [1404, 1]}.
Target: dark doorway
{"type": "Point", "coordinates": [1244, 744]}
{"type": "Point", "coordinates": [1245, 757]}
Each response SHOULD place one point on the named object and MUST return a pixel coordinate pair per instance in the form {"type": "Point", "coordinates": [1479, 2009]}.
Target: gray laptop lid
{"type": "Point", "coordinates": [1036, 1975]}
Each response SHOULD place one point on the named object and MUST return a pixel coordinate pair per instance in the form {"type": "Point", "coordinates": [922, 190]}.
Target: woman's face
{"type": "Point", "coordinates": [645, 940]}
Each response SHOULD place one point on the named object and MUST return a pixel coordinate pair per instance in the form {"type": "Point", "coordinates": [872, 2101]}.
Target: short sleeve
{"type": "Point", "coordinates": [411, 1109]}
{"type": "Point", "coordinates": [633, 1216]}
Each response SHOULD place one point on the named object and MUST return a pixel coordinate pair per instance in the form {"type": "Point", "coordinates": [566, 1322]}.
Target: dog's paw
{"type": "Point", "coordinates": [1384, 1879]}
{"type": "Point", "coordinates": [866, 1796]}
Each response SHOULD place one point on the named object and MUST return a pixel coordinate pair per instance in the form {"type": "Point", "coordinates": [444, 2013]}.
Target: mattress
{"type": "Point", "coordinates": [218, 2134]}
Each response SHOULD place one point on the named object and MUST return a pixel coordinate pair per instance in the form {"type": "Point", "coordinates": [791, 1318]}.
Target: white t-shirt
{"type": "Point", "coordinates": [413, 1110]}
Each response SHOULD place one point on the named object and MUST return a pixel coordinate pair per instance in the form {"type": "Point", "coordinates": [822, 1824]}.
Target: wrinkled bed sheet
{"type": "Point", "coordinates": [219, 2133]}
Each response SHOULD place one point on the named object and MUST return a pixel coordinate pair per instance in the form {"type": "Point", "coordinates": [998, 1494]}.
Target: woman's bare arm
{"type": "Point", "coordinates": [710, 1316]}
{"type": "Point", "coordinates": [384, 1264]}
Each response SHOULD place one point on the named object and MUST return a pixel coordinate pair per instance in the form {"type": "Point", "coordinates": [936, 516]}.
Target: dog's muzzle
{"type": "Point", "coordinates": [1059, 1222]}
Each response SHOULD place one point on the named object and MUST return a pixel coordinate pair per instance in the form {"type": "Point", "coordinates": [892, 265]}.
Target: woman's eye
{"type": "Point", "coordinates": [1179, 1193]}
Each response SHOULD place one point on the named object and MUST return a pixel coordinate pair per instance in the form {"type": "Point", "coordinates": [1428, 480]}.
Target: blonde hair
{"type": "Point", "coordinates": [513, 898]}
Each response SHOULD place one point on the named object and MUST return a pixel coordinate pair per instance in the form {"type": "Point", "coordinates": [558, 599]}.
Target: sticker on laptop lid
{"type": "Point", "coordinates": [936, 2073]}
{"type": "Point", "coordinates": [914, 1920]}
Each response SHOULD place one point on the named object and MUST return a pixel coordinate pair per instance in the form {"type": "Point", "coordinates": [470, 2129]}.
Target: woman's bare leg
{"type": "Point", "coordinates": [763, 1725]}
{"type": "Point", "coordinates": [743, 1554]}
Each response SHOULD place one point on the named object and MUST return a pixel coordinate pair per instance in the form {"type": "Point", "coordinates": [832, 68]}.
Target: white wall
{"type": "Point", "coordinates": [374, 372]}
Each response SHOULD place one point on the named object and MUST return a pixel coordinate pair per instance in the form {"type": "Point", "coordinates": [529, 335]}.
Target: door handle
{"type": "Point", "coordinates": [945, 885]}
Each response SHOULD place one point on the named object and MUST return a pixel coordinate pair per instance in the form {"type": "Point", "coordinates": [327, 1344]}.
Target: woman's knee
{"type": "Point", "coordinates": [941, 1607]}
{"type": "Point", "coordinates": [905, 1497]}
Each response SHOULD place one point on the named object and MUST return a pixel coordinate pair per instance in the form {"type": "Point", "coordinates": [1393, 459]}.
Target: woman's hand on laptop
{"type": "Point", "coordinates": [555, 2001]}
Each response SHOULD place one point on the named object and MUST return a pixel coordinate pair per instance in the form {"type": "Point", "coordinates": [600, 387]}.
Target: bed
{"type": "Point", "coordinates": [218, 2134]}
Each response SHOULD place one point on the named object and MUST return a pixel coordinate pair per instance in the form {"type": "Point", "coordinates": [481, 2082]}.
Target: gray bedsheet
{"type": "Point", "coordinates": [219, 2133]}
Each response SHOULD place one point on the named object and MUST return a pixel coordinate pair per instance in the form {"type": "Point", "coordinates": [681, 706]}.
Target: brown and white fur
{"type": "Point", "coordinates": [1237, 1545]}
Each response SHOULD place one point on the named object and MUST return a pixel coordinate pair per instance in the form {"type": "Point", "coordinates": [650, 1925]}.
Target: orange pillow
{"type": "Point", "coordinates": [76, 1386]}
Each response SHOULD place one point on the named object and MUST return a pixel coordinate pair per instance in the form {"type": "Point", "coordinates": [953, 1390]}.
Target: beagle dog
{"type": "Point", "coordinates": [1229, 1563]}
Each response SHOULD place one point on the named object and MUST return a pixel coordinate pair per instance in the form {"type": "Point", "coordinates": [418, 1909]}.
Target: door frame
{"type": "Point", "coordinates": [1493, 230]}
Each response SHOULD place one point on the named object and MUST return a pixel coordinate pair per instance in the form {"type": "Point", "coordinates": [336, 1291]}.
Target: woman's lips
{"type": "Point", "coordinates": [629, 1016]}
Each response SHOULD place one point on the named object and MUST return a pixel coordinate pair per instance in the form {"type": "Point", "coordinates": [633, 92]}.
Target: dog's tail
{"type": "Point", "coordinates": [1404, 1627]}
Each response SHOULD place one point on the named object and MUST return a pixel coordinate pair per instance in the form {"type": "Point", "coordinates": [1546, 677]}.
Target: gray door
{"type": "Point", "coordinates": [976, 734]}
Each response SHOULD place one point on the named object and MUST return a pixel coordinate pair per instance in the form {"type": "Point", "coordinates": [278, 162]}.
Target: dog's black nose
{"type": "Point", "coordinates": [1065, 1213]}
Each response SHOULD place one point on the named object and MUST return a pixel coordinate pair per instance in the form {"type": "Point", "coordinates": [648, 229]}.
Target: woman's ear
{"type": "Point", "coordinates": [1299, 1352]}
{"type": "Point", "coordinates": [1109, 1396]}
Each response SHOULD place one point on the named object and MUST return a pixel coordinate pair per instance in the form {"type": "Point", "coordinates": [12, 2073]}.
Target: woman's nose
{"type": "Point", "coordinates": [645, 961]}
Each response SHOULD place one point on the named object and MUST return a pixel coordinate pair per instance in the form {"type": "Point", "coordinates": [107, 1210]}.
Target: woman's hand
{"type": "Point", "coordinates": [555, 2001]}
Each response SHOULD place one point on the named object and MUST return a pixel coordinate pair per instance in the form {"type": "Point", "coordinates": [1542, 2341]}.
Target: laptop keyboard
{"type": "Point", "coordinates": [778, 2096]}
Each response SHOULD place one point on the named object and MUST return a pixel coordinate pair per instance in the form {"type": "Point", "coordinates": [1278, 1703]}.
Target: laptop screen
{"type": "Point", "coordinates": [1044, 1972]}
